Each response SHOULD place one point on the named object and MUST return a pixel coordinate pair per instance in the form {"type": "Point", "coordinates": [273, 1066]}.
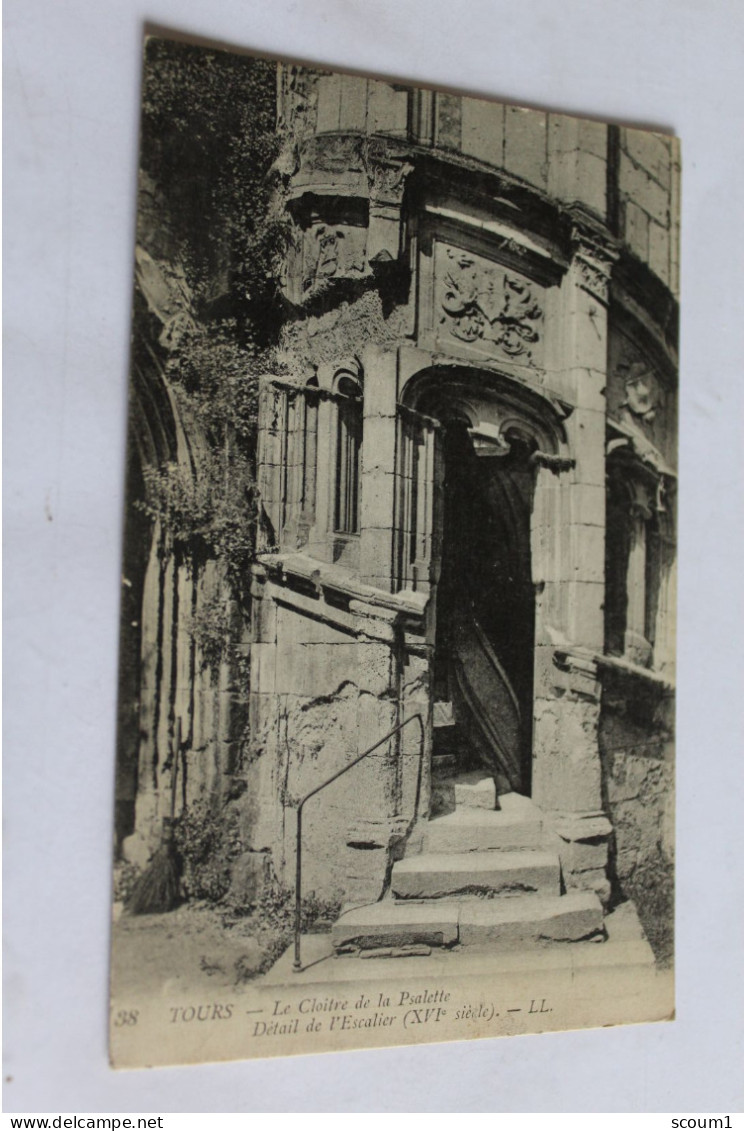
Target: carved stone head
{"type": "Point", "coordinates": [641, 391]}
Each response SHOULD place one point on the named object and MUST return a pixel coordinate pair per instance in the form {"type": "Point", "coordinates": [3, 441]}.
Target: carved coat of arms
{"type": "Point", "coordinates": [486, 303]}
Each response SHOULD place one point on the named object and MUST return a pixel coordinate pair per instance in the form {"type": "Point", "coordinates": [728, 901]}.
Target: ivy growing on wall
{"type": "Point", "coordinates": [211, 243]}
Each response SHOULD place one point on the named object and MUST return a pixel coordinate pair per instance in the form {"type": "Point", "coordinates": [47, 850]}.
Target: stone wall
{"type": "Point", "coordinates": [648, 170]}
{"type": "Point", "coordinates": [325, 685]}
{"type": "Point", "coordinates": [190, 639]}
{"type": "Point", "coordinates": [637, 752]}
{"type": "Point", "coordinates": [627, 176]}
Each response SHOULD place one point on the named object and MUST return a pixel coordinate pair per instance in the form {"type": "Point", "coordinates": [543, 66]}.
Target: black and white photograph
{"type": "Point", "coordinates": [395, 750]}
{"type": "Point", "coordinates": [372, 473]}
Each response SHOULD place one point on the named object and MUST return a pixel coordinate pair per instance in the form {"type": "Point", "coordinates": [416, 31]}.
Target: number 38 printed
{"type": "Point", "coordinates": [126, 1017]}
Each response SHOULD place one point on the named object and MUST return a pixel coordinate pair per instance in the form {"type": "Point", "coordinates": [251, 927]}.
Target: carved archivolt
{"type": "Point", "coordinates": [494, 415]}
{"type": "Point", "coordinates": [482, 301]}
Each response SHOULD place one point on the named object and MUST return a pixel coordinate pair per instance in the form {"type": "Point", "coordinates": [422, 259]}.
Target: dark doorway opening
{"type": "Point", "coordinates": [484, 650]}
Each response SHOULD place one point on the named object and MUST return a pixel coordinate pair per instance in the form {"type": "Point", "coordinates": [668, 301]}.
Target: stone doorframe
{"type": "Point", "coordinates": [494, 406]}
{"type": "Point", "coordinates": [567, 551]}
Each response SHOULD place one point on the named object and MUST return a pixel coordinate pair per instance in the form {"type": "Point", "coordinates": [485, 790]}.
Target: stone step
{"type": "Point", "coordinates": [557, 918]}
{"type": "Point", "coordinates": [518, 824]}
{"type": "Point", "coordinates": [474, 790]}
{"type": "Point", "coordinates": [389, 924]}
{"type": "Point", "coordinates": [497, 924]}
{"type": "Point", "coordinates": [434, 875]}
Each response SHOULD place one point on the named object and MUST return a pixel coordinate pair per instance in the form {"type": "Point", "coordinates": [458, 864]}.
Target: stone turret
{"type": "Point", "coordinates": [466, 277]}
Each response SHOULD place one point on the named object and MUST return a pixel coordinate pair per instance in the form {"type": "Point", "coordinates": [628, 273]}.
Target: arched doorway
{"type": "Point", "coordinates": [490, 441]}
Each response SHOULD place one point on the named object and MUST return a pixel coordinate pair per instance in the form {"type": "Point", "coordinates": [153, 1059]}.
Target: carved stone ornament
{"type": "Point", "coordinates": [593, 261]}
{"type": "Point", "coordinates": [641, 390]}
{"type": "Point", "coordinates": [642, 500]}
{"type": "Point", "coordinates": [481, 301]}
{"type": "Point", "coordinates": [387, 175]}
{"type": "Point", "coordinates": [333, 251]}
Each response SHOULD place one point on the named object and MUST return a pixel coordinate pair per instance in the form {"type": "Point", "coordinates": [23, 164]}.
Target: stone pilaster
{"type": "Point", "coordinates": [378, 468]}
{"type": "Point", "coordinates": [569, 574]}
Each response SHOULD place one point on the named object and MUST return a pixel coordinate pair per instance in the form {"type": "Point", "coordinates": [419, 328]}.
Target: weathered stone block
{"type": "Point", "coordinates": [636, 229]}
{"type": "Point", "coordinates": [378, 494]}
{"type": "Point", "coordinates": [586, 428]}
{"type": "Point", "coordinates": [263, 668]}
{"type": "Point", "coordinates": [314, 669]}
{"type": "Point", "coordinates": [587, 553]}
{"type": "Point", "coordinates": [475, 791]}
{"type": "Point", "coordinates": [589, 880]}
{"type": "Point", "coordinates": [375, 717]}
{"type": "Point", "coordinates": [586, 613]}
{"type": "Point", "coordinates": [643, 190]}
{"type": "Point", "coordinates": [552, 608]}
{"type": "Point", "coordinates": [525, 145]}
{"type": "Point", "coordinates": [384, 234]}
{"type": "Point", "coordinates": [566, 768]}
{"type": "Point", "coordinates": [434, 876]}
{"type": "Point", "coordinates": [374, 668]}
{"type": "Point", "coordinates": [372, 626]}
{"type": "Point", "coordinates": [583, 856]}
{"type": "Point", "coordinates": [389, 924]}
{"type": "Point", "coordinates": [565, 918]}
{"type": "Point", "coordinates": [380, 370]}
{"type": "Point", "coordinates": [411, 360]}
{"type": "Point", "coordinates": [378, 452]}
{"type": "Point", "coordinates": [659, 240]}
{"type": "Point", "coordinates": [376, 556]}
{"type": "Point", "coordinates": [387, 108]}
{"type": "Point", "coordinates": [468, 830]}
{"type": "Point", "coordinates": [329, 103]}
{"type": "Point", "coordinates": [547, 561]}
{"type": "Point", "coordinates": [448, 120]}
{"type": "Point", "coordinates": [562, 137]}
{"type": "Point", "coordinates": [353, 103]}
{"type": "Point", "coordinates": [483, 130]}
{"type": "Point", "coordinates": [591, 181]}
{"type": "Point", "coordinates": [651, 151]}
{"type": "Point", "coordinates": [316, 630]}
{"type": "Point", "coordinates": [264, 620]}
{"type": "Point", "coordinates": [546, 674]}
{"type": "Point", "coordinates": [592, 137]}
{"type": "Point", "coordinates": [587, 504]}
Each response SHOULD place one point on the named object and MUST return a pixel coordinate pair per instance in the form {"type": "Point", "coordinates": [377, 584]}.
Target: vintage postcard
{"type": "Point", "coordinates": [395, 756]}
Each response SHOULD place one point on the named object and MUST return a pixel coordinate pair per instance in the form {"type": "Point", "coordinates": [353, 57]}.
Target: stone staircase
{"type": "Point", "coordinates": [473, 876]}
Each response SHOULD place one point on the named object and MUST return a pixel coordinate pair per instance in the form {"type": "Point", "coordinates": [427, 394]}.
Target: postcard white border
{"type": "Point", "coordinates": [71, 78]}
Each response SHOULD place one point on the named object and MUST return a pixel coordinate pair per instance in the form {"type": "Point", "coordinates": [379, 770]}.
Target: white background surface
{"type": "Point", "coordinates": [71, 108]}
